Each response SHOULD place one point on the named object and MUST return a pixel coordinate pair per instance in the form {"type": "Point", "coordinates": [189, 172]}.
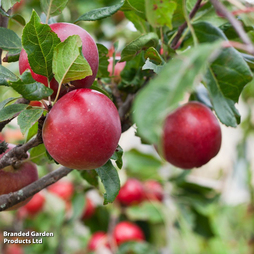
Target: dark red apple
{"type": "Point", "coordinates": [13, 249]}
{"type": "Point", "coordinates": [126, 231]}
{"type": "Point", "coordinates": [89, 209]}
{"type": "Point", "coordinates": [63, 189]}
{"type": "Point", "coordinates": [132, 192]}
{"type": "Point", "coordinates": [15, 179]}
{"type": "Point", "coordinates": [97, 240]}
{"type": "Point", "coordinates": [191, 136]}
{"type": "Point", "coordinates": [82, 129]}
{"type": "Point", "coordinates": [89, 50]}
{"type": "Point", "coordinates": [153, 190]}
{"type": "Point", "coordinates": [35, 205]}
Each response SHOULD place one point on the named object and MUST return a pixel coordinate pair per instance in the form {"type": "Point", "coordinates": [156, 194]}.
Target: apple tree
{"type": "Point", "coordinates": [75, 76]}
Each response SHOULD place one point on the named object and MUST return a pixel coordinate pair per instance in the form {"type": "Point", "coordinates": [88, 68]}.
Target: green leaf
{"type": "Point", "coordinates": [137, 5]}
{"type": "Point", "coordinates": [135, 47]}
{"type": "Point", "coordinates": [164, 92]}
{"type": "Point", "coordinates": [10, 111]}
{"type": "Point", "coordinates": [117, 156]}
{"type": "Point", "coordinates": [146, 211]}
{"type": "Point", "coordinates": [134, 247]}
{"type": "Point", "coordinates": [141, 165]}
{"type": "Point", "coordinates": [9, 40]}
{"type": "Point", "coordinates": [53, 7]}
{"type": "Point", "coordinates": [38, 155]}
{"type": "Point", "coordinates": [28, 117]}
{"type": "Point", "coordinates": [110, 179]}
{"type": "Point", "coordinates": [68, 62]}
{"type": "Point", "coordinates": [100, 13]}
{"type": "Point", "coordinates": [18, 18]}
{"type": "Point", "coordinates": [31, 89]}
{"type": "Point", "coordinates": [231, 71]}
{"type": "Point", "coordinates": [154, 56]}
{"type": "Point", "coordinates": [39, 42]}
{"type": "Point", "coordinates": [103, 61]}
{"type": "Point", "coordinates": [90, 176]}
{"type": "Point", "coordinates": [78, 204]}
{"type": "Point", "coordinates": [6, 101]}
{"type": "Point", "coordinates": [151, 66]}
{"type": "Point", "coordinates": [6, 76]}
{"type": "Point", "coordinates": [32, 131]}
{"type": "Point", "coordinates": [7, 4]}
{"type": "Point", "coordinates": [140, 24]}
{"type": "Point", "coordinates": [160, 12]}
{"type": "Point", "coordinates": [9, 57]}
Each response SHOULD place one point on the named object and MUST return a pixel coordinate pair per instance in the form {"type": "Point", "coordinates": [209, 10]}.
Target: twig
{"type": "Point", "coordinates": [220, 8]}
{"type": "Point", "coordinates": [184, 25]}
{"type": "Point", "coordinates": [18, 153]}
{"type": "Point", "coordinates": [13, 198]}
{"type": "Point", "coordinates": [19, 101]}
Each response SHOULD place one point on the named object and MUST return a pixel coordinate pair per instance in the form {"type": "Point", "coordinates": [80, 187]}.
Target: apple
{"type": "Point", "coordinates": [12, 180]}
{"type": "Point", "coordinates": [127, 231]}
{"type": "Point", "coordinates": [35, 205]}
{"type": "Point", "coordinates": [191, 136]}
{"type": "Point", "coordinates": [153, 190]}
{"type": "Point", "coordinates": [89, 50]}
{"type": "Point", "coordinates": [97, 239]}
{"type": "Point", "coordinates": [13, 249]}
{"type": "Point", "coordinates": [82, 129]}
{"type": "Point", "coordinates": [132, 192]}
{"type": "Point", "coordinates": [63, 189]}
{"type": "Point", "coordinates": [1, 137]}
{"type": "Point", "coordinates": [35, 104]}
{"type": "Point", "coordinates": [89, 209]}
{"type": "Point", "coordinates": [119, 66]}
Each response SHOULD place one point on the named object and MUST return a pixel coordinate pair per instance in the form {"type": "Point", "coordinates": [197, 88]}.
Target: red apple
{"type": "Point", "coordinates": [1, 137]}
{"type": "Point", "coordinates": [35, 205]}
{"type": "Point", "coordinates": [132, 192]}
{"type": "Point", "coordinates": [82, 129]}
{"type": "Point", "coordinates": [191, 136]}
{"type": "Point", "coordinates": [153, 190]}
{"type": "Point", "coordinates": [89, 50]}
{"type": "Point", "coordinates": [97, 239]}
{"type": "Point", "coordinates": [119, 66]}
{"type": "Point", "coordinates": [36, 104]}
{"type": "Point", "coordinates": [15, 179]}
{"type": "Point", "coordinates": [126, 231]}
{"type": "Point", "coordinates": [63, 189]}
{"type": "Point", "coordinates": [13, 249]}
{"type": "Point", "coordinates": [89, 209]}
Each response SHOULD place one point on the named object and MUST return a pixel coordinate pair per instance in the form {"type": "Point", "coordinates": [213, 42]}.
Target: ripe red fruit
{"type": "Point", "coordinates": [89, 209]}
{"type": "Point", "coordinates": [13, 249]}
{"type": "Point", "coordinates": [82, 129]}
{"type": "Point", "coordinates": [35, 205]}
{"type": "Point", "coordinates": [1, 137]}
{"type": "Point", "coordinates": [62, 189]}
{"type": "Point", "coordinates": [35, 103]}
{"type": "Point", "coordinates": [15, 179]}
{"type": "Point", "coordinates": [153, 190]}
{"type": "Point", "coordinates": [89, 50]}
{"type": "Point", "coordinates": [97, 239]}
{"type": "Point", "coordinates": [126, 231]}
{"type": "Point", "coordinates": [191, 136]}
{"type": "Point", "coordinates": [132, 192]}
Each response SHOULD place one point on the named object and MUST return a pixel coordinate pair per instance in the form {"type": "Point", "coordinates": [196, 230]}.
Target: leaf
{"type": "Point", "coordinates": [164, 92]}
{"type": "Point", "coordinates": [151, 66]}
{"type": "Point", "coordinates": [39, 42]}
{"type": "Point", "coordinates": [10, 111]}
{"type": "Point", "coordinates": [31, 89]}
{"type": "Point", "coordinates": [140, 24]}
{"type": "Point", "coordinates": [9, 40]}
{"type": "Point", "coordinates": [103, 61]}
{"type": "Point", "coordinates": [160, 12]}
{"type": "Point", "coordinates": [6, 76]}
{"type": "Point", "coordinates": [230, 70]}
{"type": "Point", "coordinates": [53, 7]}
{"type": "Point", "coordinates": [117, 156]}
{"type": "Point", "coordinates": [90, 176]}
{"type": "Point", "coordinates": [141, 165]}
{"type": "Point", "coordinates": [110, 179]}
{"type": "Point", "coordinates": [9, 58]}
{"type": "Point", "coordinates": [137, 5]}
{"type": "Point", "coordinates": [28, 117]}
{"type": "Point", "coordinates": [100, 13]}
{"type": "Point", "coordinates": [7, 4]}
{"type": "Point", "coordinates": [6, 101]}
{"type": "Point", "coordinates": [154, 56]}
{"type": "Point", "coordinates": [134, 48]}
{"type": "Point", "coordinates": [78, 204]}
{"type": "Point", "coordinates": [68, 62]}
{"type": "Point", "coordinates": [18, 18]}
{"type": "Point", "coordinates": [38, 155]}
{"type": "Point", "coordinates": [146, 211]}
{"type": "Point", "coordinates": [134, 247]}
{"type": "Point", "coordinates": [32, 131]}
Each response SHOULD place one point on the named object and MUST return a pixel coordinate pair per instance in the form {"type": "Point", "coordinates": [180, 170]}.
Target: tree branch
{"type": "Point", "coordinates": [17, 154]}
{"type": "Point", "coordinates": [13, 198]}
{"type": "Point", "coordinates": [181, 28]}
{"type": "Point", "coordinates": [220, 8]}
